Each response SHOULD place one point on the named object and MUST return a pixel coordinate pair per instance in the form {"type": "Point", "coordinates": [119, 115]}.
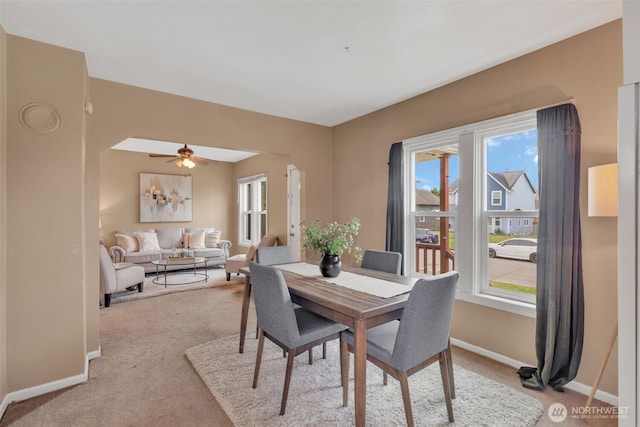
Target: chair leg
{"type": "Point", "coordinates": [140, 286]}
{"type": "Point", "coordinates": [446, 383]}
{"type": "Point", "coordinates": [310, 356]}
{"type": "Point", "coordinates": [257, 330]}
{"type": "Point", "coordinates": [452, 384]}
{"type": "Point", "coordinates": [107, 300]}
{"type": "Point", "coordinates": [287, 380]}
{"type": "Point", "coordinates": [228, 276]}
{"type": "Point", "coordinates": [324, 350]}
{"type": "Point", "coordinates": [344, 372]}
{"type": "Point", "coordinates": [256, 372]}
{"type": "Point", "coordinates": [384, 378]}
{"type": "Point", "coordinates": [406, 398]}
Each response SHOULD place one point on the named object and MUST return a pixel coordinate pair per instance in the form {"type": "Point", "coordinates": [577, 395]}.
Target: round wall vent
{"type": "Point", "coordinates": [40, 118]}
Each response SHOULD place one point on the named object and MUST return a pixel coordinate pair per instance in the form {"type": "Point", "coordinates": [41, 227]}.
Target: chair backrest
{"type": "Point", "coordinates": [108, 281]}
{"type": "Point", "coordinates": [390, 262]}
{"type": "Point", "coordinates": [426, 321]}
{"type": "Point", "coordinates": [268, 240]}
{"type": "Point", "coordinates": [273, 255]}
{"type": "Point", "coordinates": [274, 308]}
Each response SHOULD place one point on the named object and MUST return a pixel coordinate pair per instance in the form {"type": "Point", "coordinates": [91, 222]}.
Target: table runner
{"type": "Point", "coordinates": [370, 285]}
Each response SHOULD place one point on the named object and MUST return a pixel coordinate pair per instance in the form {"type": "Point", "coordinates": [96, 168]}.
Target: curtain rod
{"type": "Point", "coordinates": [567, 101]}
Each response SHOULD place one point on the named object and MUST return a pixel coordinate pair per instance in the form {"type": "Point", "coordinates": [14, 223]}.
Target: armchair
{"type": "Point", "coordinates": [117, 277]}
{"type": "Point", "coordinates": [235, 263]}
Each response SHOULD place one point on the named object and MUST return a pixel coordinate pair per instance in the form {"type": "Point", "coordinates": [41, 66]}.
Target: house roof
{"type": "Point", "coordinates": [509, 178]}
{"type": "Point", "coordinates": [426, 198]}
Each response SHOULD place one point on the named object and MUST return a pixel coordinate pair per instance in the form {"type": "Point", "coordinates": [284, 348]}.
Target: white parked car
{"type": "Point", "coordinates": [517, 248]}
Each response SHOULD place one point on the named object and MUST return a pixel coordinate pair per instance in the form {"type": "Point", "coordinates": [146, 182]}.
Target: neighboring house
{"type": "Point", "coordinates": [506, 191]}
{"type": "Point", "coordinates": [510, 191]}
{"type": "Point", "coordinates": [426, 201]}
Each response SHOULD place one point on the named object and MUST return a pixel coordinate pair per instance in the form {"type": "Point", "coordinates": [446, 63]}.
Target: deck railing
{"type": "Point", "coordinates": [428, 259]}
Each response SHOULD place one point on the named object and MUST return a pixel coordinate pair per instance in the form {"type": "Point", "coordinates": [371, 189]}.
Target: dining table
{"type": "Point", "coordinates": [359, 298]}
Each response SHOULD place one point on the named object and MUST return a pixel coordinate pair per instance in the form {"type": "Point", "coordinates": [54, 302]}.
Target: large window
{"type": "Point", "coordinates": [252, 209]}
{"type": "Point", "coordinates": [490, 209]}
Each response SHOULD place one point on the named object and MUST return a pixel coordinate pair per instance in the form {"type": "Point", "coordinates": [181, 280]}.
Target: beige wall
{"type": "Point", "coordinates": [587, 68]}
{"type": "Point", "coordinates": [120, 195]}
{"type": "Point", "coordinates": [3, 213]}
{"type": "Point", "coordinates": [122, 111]}
{"type": "Point", "coordinates": [46, 328]}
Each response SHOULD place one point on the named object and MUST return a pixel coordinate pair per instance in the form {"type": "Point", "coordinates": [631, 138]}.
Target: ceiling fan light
{"type": "Point", "coordinates": [188, 163]}
{"type": "Point", "coordinates": [179, 163]}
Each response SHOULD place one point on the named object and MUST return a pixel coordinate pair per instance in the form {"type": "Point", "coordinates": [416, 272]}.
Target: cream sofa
{"type": "Point", "coordinates": [141, 247]}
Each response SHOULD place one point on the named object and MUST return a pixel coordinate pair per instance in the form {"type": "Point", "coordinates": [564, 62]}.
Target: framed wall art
{"type": "Point", "coordinates": [165, 198]}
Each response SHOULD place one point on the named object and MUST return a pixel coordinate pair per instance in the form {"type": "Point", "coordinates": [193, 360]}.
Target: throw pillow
{"type": "Point", "coordinates": [126, 242]}
{"type": "Point", "coordinates": [193, 240]}
{"type": "Point", "coordinates": [148, 242]}
{"type": "Point", "coordinates": [212, 239]}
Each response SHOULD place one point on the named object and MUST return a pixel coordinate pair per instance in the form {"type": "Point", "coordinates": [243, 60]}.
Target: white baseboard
{"type": "Point", "coordinates": [94, 354]}
{"type": "Point", "coordinates": [573, 385]}
{"type": "Point", "coordinates": [38, 390]}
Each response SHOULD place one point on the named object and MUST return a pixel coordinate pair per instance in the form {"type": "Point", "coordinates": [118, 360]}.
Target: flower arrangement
{"type": "Point", "coordinates": [333, 238]}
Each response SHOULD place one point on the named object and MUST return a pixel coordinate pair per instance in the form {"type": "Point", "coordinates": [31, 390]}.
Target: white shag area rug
{"type": "Point", "coordinates": [217, 277]}
{"type": "Point", "coordinates": [315, 394]}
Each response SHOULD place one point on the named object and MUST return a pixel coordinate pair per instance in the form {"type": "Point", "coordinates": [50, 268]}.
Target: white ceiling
{"type": "Point", "coordinates": [153, 146]}
{"type": "Point", "coordinates": [322, 62]}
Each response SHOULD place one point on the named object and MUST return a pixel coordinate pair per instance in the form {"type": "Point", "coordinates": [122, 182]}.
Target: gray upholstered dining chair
{"type": "Point", "coordinates": [272, 255]}
{"type": "Point", "coordinates": [390, 262]}
{"type": "Point", "coordinates": [295, 331]}
{"type": "Point", "coordinates": [420, 338]}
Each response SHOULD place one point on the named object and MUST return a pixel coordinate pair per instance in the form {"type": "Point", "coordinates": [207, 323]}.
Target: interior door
{"type": "Point", "coordinates": [293, 213]}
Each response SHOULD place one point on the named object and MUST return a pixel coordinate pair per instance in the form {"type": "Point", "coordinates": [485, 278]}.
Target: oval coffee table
{"type": "Point", "coordinates": [189, 278]}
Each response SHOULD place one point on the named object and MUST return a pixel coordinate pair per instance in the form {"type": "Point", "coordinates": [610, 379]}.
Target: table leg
{"type": "Point", "coordinates": [246, 295]}
{"type": "Point", "coordinates": [360, 374]}
{"type": "Point", "coordinates": [165, 276]}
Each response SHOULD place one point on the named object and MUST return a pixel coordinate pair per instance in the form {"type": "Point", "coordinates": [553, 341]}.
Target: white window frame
{"type": "Point", "coordinates": [243, 211]}
{"type": "Point", "coordinates": [493, 193]}
{"type": "Point", "coordinates": [473, 216]}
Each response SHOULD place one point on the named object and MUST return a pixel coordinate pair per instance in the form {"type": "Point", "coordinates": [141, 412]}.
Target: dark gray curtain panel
{"type": "Point", "coordinates": [395, 201]}
{"type": "Point", "coordinates": [560, 293]}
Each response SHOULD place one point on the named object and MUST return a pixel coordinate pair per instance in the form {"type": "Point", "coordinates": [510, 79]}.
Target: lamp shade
{"type": "Point", "coordinates": [603, 190]}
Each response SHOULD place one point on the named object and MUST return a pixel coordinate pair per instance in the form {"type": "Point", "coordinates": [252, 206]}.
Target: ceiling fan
{"type": "Point", "coordinates": [185, 158]}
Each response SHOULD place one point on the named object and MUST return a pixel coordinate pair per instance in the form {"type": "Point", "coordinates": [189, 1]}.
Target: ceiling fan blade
{"type": "Point", "coordinates": [199, 160]}
{"type": "Point", "coordinates": [162, 155]}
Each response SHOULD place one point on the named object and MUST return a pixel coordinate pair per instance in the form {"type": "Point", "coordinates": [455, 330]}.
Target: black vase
{"type": "Point", "coordinates": [330, 266]}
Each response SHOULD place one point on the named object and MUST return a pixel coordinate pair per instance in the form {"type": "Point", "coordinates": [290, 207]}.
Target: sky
{"type": "Point", "coordinates": [513, 152]}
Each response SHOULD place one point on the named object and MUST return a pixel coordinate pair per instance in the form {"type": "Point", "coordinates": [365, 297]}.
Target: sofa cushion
{"type": "Point", "coordinates": [194, 240]}
{"type": "Point", "coordinates": [212, 239]}
{"type": "Point", "coordinates": [142, 257]}
{"type": "Point", "coordinates": [196, 229]}
{"type": "Point", "coordinates": [127, 242]}
{"type": "Point", "coordinates": [208, 252]}
{"type": "Point", "coordinates": [148, 242]}
{"type": "Point", "coordinates": [133, 232]}
{"type": "Point", "coordinates": [169, 238]}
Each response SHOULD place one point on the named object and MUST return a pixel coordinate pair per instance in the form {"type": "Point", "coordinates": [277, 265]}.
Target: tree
{"type": "Point", "coordinates": [435, 191]}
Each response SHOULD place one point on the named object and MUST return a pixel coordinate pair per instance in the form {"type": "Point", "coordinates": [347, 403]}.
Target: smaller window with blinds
{"type": "Point", "coordinates": [252, 209]}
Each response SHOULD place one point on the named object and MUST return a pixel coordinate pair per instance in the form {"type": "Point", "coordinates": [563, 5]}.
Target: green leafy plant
{"type": "Point", "coordinates": [333, 238]}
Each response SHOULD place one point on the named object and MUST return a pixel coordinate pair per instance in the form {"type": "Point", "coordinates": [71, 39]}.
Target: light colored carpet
{"type": "Point", "coordinates": [315, 396]}
{"type": "Point", "coordinates": [217, 277]}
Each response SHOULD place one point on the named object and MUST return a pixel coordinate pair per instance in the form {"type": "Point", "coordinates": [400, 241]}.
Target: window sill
{"type": "Point", "coordinates": [516, 307]}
